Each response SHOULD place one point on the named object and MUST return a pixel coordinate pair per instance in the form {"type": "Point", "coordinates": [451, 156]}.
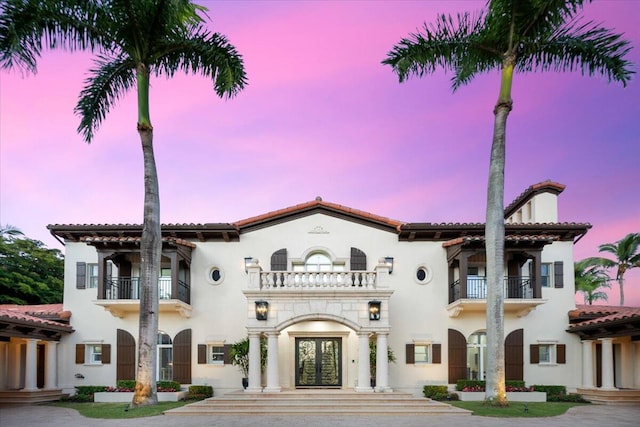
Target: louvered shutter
{"type": "Point", "coordinates": [410, 357]}
{"type": "Point", "coordinates": [561, 353]}
{"type": "Point", "coordinates": [358, 260]}
{"type": "Point", "coordinates": [125, 356]}
{"type": "Point", "coordinates": [226, 356]}
{"type": "Point", "coordinates": [202, 354]}
{"type": "Point", "coordinates": [436, 353]}
{"type": "Point", "coordinates": [106, 354]}
{"type": "Point", "coordinates": [182, 357]}
{"type": "Point", "coordinates": [558, 272]}
{"type": "Point", "coordinates": [81, 275]}
{"type": "Point", "coordinates": [279, 260]}
{"type": "Point", "coordinates": [79, 353]}
{"type": "Point", "coordinates": [534, 353]}
{"type": "Point", "coordinates": [457, 356]}
{"type": "Point", "coordinates": [514, 355]}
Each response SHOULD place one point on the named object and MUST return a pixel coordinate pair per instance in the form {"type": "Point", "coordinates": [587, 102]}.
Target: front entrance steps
{"type": "Point", "coordinates": [618, 396]}
{"type": "Point", "coordinates": [30, 396]}
{"type": "Point", "coordinates": [317, 402]}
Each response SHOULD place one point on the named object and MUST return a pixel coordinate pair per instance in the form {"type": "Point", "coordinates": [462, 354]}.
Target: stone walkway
{"type": "Point", "coordinates": [582, 416]}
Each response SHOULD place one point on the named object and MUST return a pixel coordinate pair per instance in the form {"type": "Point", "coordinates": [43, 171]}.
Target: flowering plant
{"type": "Point", "coordinates": [507, 388]}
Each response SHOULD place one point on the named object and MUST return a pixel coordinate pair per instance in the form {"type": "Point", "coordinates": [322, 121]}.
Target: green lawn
{"type": "Point", "coordinates": [518, 409]}
{"type": "Point", "coordinates": [119, 410]}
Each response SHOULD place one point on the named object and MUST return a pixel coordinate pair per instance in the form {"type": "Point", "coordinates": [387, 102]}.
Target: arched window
{"type": "Point", "coordinates": [476, 355]}
{"type": "Point", "coordinates": [318, 261]}
{"type": "Point", "coordinates": [165, 357]}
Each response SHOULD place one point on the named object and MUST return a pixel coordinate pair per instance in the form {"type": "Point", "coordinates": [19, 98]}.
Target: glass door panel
{"type": "Point", "coordinates": [318, 362]}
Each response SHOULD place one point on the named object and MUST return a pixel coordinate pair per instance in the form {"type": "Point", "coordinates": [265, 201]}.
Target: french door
{"type": "Point", "coordinates": [318, 362]}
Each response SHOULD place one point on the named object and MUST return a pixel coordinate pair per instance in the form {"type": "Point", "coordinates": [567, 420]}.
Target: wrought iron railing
{"type": "Point", "coordinates": [128, 288]}
{"type": "Point", "coordinates": [515, 287]}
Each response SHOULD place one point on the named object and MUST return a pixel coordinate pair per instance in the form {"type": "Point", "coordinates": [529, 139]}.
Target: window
{"type": "Point", "coordinates": [92, 275]}
{"type": "Point", "coordinates": [94, 352]}
{"type": "Point", "coordinates": [422, 353]}
{"type": "Point", "coordinates": [165, 357]}
{"type": "Point", "coordinates": [318, 262]}
{"type": "Point", "coordinates": [546, 353]}
{"type": "Point", "coordinates": [476, 356]}
{"type": "Point", "coordinates": [215, 275]}
{"type": "Point", "coordinates": [423, 275]}
{"type": "Point", "coordinates": [547, 274]}
{"type": "Point", "coordinates": [216, 354]}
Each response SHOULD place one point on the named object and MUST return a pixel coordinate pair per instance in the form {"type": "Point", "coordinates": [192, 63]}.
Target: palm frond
{"type": "Point", "coordinates": [109, 80]}
{"type": "Point", "coordinates": [28, 27]}
{"type": "Point", "coordinates": [585, 46]}
{"type": "Point", "coordinates": [206, 54]}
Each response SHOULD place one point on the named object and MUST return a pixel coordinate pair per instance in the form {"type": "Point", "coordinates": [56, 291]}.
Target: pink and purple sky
{"type": "Point", "coordinates": [322, 117]}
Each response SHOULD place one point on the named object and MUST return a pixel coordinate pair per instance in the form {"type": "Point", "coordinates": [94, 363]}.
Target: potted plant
{"type": "Point", "coordinates": [239, 355]}
{"type": "Point", "coordinates": [373, 357]}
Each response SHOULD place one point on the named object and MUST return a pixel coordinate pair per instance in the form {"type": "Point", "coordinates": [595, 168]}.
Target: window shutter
{"type": "Point", "coordinates": [226, 358]}
{"type": "Point", "coordinates": [534, 353]}
{"type": "Point", "coordinates": [202, 354]}
{"type": "Point", "coordinates": [81, 276]}
{"type": "Point", "coordinates": [514, 355]}
{"type": "Point", "coordinates": [79, 354]}
{"type": "Point", "coordinates": [182, 357]}
{"type": "Point", "coordinates": [410, 357]}
{"type": "Point", "coordinates": [457, 356]}
{"type": "Point", "coordinates": [106, 354]}
{"type": "Point", "coordinates": [436, 356]}
{"type": "Point", "coordinates": [279, 260]}
{"type": "Point", "coordinates": [125, 356]}
{"type": "Point", "coordinates": [358, 260]}
{"type": "Point", "coordinates": [561, 353]}
{"type": "Point", "coordinates": [558, 272]}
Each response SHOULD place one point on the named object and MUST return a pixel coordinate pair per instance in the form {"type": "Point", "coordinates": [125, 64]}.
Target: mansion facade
{"type": "Point", "coordinates": [317, 284]}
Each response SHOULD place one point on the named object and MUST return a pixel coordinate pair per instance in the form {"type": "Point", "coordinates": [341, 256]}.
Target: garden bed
{"type": "Point", "coordinates": [127, 396]}
{"type": "Point", "coordinates": [512, 396]}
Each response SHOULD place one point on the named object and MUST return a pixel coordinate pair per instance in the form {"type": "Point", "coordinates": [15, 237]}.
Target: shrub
{"type": "Point", "coordinates": [476, 385]}
{"type": "Point", "coordinates": [126, 385]}
{"type": "Point", "coordinates": [169, 386]}
{"type": "Point", "coordinates": [200, 392]}
{"type": "Point", "coordinates": [431, 390]}
{"type": "Point", "coordinates": [551, 390]}
{"type": "Point", "coordinates": [84, 393]}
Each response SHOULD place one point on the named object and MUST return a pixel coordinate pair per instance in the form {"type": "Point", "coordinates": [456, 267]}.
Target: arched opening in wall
{"type": "Point", "coordinates": [318, 261]}
{"type": "Point", "coordinates": [165, 357]}
{"type": "Point", "coordinates": [477, 356]}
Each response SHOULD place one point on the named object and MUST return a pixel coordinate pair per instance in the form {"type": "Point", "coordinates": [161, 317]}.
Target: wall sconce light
{"type": "Point", "coordinates": [79, 376]}
{"type": "Point", "coordinates": [374, 310]}
{"type": "Point", "coordinates": [262, 310]}
{"type": "Point", "coordinates": [389, 261]}
{"type": "Point", "coordinates": [247, 262]}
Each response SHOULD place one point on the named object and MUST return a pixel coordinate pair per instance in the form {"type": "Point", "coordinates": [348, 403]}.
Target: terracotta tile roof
{"type": "Point", "coordinates": [318, 202]}
{"type": "Point", "coordinates": [541, 187]}
{"type": "Point", "coordinates": [513, 238]}
{"type": "Point", "coordinates": [603, 314]}
{"type": "Point", "coordinates": [36, 314]}
{"type": "Point", "coordinates": [132, 239]}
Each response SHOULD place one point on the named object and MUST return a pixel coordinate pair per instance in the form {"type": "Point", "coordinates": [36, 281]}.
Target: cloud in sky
{"type": "Point", "coordinates": [322, 117]}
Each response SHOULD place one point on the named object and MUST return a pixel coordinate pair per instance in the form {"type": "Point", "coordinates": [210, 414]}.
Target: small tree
{"type": "Point", "coordinates": [373, 357]}
{"type": "Point", "coordinates": [239, 355]}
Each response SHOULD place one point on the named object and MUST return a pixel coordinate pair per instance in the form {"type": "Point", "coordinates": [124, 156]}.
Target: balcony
{"type": "Point", "coordinates": [518, 296]}
{"type": "Point", "coordinates": [122, 296]}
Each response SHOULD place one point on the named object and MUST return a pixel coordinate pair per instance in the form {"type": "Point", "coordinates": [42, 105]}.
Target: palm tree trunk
{"type": "Point", "coordinates": [145, 392]}
{"type": "Point", "coordinates": [495, 391]}
{"type": "Point", "coordinates": [621, 284]}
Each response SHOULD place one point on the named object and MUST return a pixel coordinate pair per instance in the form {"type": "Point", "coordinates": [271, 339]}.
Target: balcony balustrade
{"type": "Point", "coordinates": [289, 280]}
{"type": "Point", "coordinates": [128, 288]}
{"type": "Point", "coordinates": [514, 287]}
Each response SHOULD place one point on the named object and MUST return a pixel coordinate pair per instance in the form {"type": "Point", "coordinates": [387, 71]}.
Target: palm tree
{"type": "Point", "coordinates": [589, 278]}
{"type": "Point", "coordinates": [510, 35]}
{"type": "Point", "coordinates": [133, 41]}
{"type": "Point", "coordinates": [627, 254]}
{"type": "Point", "coordinates": [9, 232]}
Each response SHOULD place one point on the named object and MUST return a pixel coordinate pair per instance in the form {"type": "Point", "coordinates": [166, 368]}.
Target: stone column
{"type": "Point", "coordinates": [4, 359]}
{"type": "Point", "coordinates": [607, 364]}
{"type": "Point", "coordinates": [31, 366]}
{"type": "Point", "coordinates": [382, 363]}
{"type": "Point", "coordinates": [364, 374]}
{"type": "Point", "coordinates": [14, 365]}
{"type": "Point", "coordinates": [587, 364]}
{"type": "Point", "coordinates": [273, 376]}
{"type": "Point", "coordinates": [51, 370]}
{"type": "Point", "coordinates": [255, 385]}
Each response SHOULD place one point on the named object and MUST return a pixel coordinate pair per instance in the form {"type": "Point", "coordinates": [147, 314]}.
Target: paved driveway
{"type": "Point", "coordinates": [581, 416]}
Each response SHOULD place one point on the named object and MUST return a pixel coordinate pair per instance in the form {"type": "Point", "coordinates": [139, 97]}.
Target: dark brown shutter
{"type": "Point", "coordinates": [534, 353]}
{"type": "Point", "coordinates": [558, 272]}
{"type": "Point", "coordinates": [436, 353]}
{"type": "Point", "coordinates": [410, 357]}
{"type": "Point", "coordinates": [514, 355]}
{"type": "Point", "coordinates": [279, 260]}
{"type": "Point", "coordinates": [106, 354]}
{"type": "Point", "coordinates": [358, 260]}
{"type": "Point", "coordinates": [125, 356]}
{"type": "Point", "coordinates": [202, 354]}
{"type": "Point", "coordinates": [79, 353]}
{"type": "Point", "coordinates": [81, 275]}
{"type": "Point", "coordinates": [182, 357]}
{"type": "Point", "coordinates": [561, 353]}
{"type": "Point", "coordinates": [226, 358]}
{"type": "Point", "coordinates": [457, 356]}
